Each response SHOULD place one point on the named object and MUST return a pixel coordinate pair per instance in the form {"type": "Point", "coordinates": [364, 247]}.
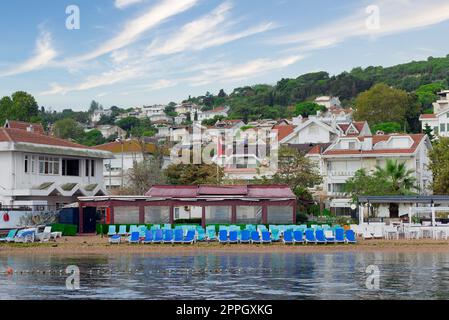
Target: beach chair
{"type": "Point", "coordinates": [350, 237]}
{"type": "Point", "coordinates": [378, 232]}
{"type": "Point", "coordinates": [266, 237]}
{"type": "Point", "coordinates": [223, 236]}
{"type": "Point", "coordinates": [310, 236]}
{"type": "Point", "coordinates": [233, 237]}
{"type": "Point", "coordinates": [245, 236]}
{"type": "Point", "coordinates": [288, 237]}
{"type": "Point", "coordinates": [366, 233]}
{"type": "Point", "coordinates": [158, 236]}
{"type": "Point", "coordinates": [133, 229]}
{"type": "Point", "coordinates": [211, 235]}
{"type": "Point", "coordinates": [149, 237]}
{"type": "Point", "coordinates": [122, 231]}
{"type": "Point", "coordinates": [190, 237]}
{"type": "Point", "coordinates": [134, 238]}
{"type": "Point", "coordinates": [142, 231]}
{"type": "Point", "coordinates": [255, 237]}
{"type": "Point", "coordinates": [298, 236]}
{"type": "Point", "coordinates": [167, 226]}
{"type": "Point", "coordinates": [44, 236]}
{"type": "Point", "coordinates": [25, 236]}
{"type": "Point", "coordinates": [115, 239]}
{"type": "Point", "coordinates": [112, 231]}
{"type": "Point", "coordinates": [276, 235]}
{"type": "Point", "coordinates": [201, 234]}
{"type": "Point", "coordinates": [340, 235]}
{"type": "Point", "coordinates": [320, 238]}
{"type": "Point", "coordinates": [329, 236]}
{"type": "Point", "coordinates": [10, 236]}
{"type": "Point", "coordinates": [168, 236]}
{"type": "Point", "coordinates": [179, 236]}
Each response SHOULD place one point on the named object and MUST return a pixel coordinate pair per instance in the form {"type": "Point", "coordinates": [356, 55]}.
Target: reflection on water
{"type": "Point", "coordinates": [229, 276]}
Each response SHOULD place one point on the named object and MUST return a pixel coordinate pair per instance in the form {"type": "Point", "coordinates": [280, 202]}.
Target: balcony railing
{"type": "Point", "coordinates": [341, 173]}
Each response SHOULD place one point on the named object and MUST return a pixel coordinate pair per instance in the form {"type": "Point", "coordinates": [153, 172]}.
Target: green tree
{"type": "Point", "coordinates": [427, 95]}
{"type": "Point", "coordinates": [212, 122]}
{"type": "Point", "coordinates": [68, 129]}
{"type": "Point", "coordinates": [439, 164]}
{"type": "Point", "coordinates": [192, 174]}
{"type": "Point", "coordinates": [95, 106]}
{"type": "Point", "coordinates": [128, 123]}
{"type": "Point", "coordinates": [142, 176]}
{"type": "Point", "coordinates": [306, 109]}
{"type": "Point", "coordinates": [388, 127]}
{"type": "Point", "coordinates": [429, 132]}
{"type": "Point", "coordinates": [296, 171]}
{"type": "Point", "coordinates": [20, 106]}
{"type": "Point", "coordinates": [92, 138]}
{"type": "Point", "coordinates": [382, 104]}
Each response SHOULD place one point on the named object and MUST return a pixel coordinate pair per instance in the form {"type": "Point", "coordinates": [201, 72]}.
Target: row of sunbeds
{"type": "Point", "coordinates": [29, 235]}
{"type": "Point", "coordinates": [228, 235]}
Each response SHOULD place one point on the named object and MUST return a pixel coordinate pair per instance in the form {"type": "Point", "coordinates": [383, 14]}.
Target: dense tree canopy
{"type": "Point", "coordinates": [439, 164]}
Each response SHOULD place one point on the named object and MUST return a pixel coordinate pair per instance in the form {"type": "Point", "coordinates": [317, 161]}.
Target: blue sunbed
{"type": "Point", "coordinates": [223, 236]}
{"type": "Point", "coordinates": [10, 236]}
{"type": "Point", "coordinates": [201, 234]}
{"type": "Point", "coordinates": [179, 236]}
{"type": "Point", "coordinates": [320, 238]}
{"type": "Point", "coordinates": [133, 228]}
{"type": "Point", "coordinates": [350, 237]}
{"type": "Point", "coordinates": [149, 237]}
{"type": "Point", "coordinates": [190, 237]}
{"type": "Point", "coordinates": [310, 236]}
{"type": "Point", "coordinates": [115, 239]}
{"type": "Point", "coordinates": [298, 236]}
{"type": "Point", "coordinates": [112, 231]}
{"type": "Point", "coordinates": [255, 237]}
{"type": "Point", "coordinates": [266, 237]}
{"type": "Point", "coordinates": [275, 234]}
{"type": "Point", "coordinates": [233, 237]}
{"type": "Point", "coordinates": [339, 235]}
{"type": "Point", "coordinates": [245, 236]}
{"type": "Point", "coordinates": [168, 236]}
{"type": "Point", "coordinates": [288, 237]}
{"type": "Point", "coordinates": [134, 237]}
{"type": "Point", "coordinates": [211, 235]}
{"type": "Point", "coordinates": [158, 236]}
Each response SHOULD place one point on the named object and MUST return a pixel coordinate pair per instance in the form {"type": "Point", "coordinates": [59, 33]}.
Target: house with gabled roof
{"type": "Point", "coordinates": [38, 168]}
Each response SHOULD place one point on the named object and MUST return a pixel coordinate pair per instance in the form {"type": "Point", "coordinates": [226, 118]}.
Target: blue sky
{"type": "Point", "coordinates": [140, 52]}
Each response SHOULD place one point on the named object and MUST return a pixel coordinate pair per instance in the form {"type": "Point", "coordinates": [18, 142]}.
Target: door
{"type": "Point", "coordinates": [394, 211]}
{"type": "Point", "coordinates": [90, 220]}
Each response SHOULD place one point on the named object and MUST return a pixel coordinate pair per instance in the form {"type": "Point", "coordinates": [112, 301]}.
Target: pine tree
{"type": "Point", "coordinates": [429, 132]}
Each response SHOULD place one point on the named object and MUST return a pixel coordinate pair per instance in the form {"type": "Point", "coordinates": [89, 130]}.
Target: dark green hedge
{"type": "Point", "coordinates": [68, 230]}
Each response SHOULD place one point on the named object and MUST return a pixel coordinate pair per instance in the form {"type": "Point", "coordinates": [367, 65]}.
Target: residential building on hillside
{"type": "Point", "coordinates": [96, 116]}
{"type": "Point", "coordinates": [44, 170]}
{"type": "Point", "coordinates": [439, 120]}
{"type": "Point", "coordinates": [29, 127]}
{"type": "Point", "coordinates": [111, 130]}
{"type": "Point", "coordinates": [187, 107]}
{"type": "Point", "coordinates": [348, 154]}
{"type": "Point", "coordinates": [328, 102]}
{"type": "Point", "coordinates": [211, 114]}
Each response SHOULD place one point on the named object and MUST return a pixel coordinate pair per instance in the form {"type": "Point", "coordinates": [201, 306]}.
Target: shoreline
{"type": "Point", "coordinates": [95, 245]}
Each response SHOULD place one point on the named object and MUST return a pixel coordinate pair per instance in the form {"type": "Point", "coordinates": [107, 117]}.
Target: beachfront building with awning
{"type": "Point", "coordinates": [242, 204]}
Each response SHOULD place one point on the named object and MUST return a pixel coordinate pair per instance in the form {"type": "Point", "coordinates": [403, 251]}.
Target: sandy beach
{"type": "Point", "coordinates": [86, 245]}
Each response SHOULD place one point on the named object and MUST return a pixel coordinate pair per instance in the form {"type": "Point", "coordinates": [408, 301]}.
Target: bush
{"type": "Point", "coordinates": [68, 230]}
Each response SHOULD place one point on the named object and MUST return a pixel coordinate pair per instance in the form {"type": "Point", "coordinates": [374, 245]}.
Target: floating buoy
{"type": "Point", "coordinates": [6, 217]}
{"type": "Point", "coordinates": [9, 271]}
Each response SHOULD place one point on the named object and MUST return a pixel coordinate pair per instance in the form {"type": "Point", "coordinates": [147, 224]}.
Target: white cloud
{"type": "Point", "coordinates": [135, 28]}
{"type": "Point", "coordinates": [396, 16]}
{"type": "Point", "coordinates": [44, 54]}
{"type": "Point", "coordinates": [96, 81]}
{"type": "Point", "coordinates": [121, 4]}
{"type": "Point", "coordinates": [243, 71]}
{"type": "Point", "coordinates": [210, 30]}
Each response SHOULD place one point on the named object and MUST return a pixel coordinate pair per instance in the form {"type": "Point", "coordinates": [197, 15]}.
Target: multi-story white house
{"type": "Point", "coordinates": [348, 154]}
{"type": "Point", "coordinates": [187, 107]}
{"type": "Point", "coordinates": [328, 102]}
{"type": "Point", "coordinates": [42, 169]}
{"type": "Point", "coordinates": [211, 114]}
{"type": "Point", "coordinates": [439, 120]}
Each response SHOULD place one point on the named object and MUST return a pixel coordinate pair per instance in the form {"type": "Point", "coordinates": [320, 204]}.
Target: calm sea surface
{"type": "Point", "coordinates": [229, 276]}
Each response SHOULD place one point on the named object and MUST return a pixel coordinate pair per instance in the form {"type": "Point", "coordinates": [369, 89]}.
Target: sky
{"type": "Point", "coordinates": [141, 52]}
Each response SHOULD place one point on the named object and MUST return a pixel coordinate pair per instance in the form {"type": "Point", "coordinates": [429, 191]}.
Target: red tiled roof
{"type": "Point", "coordinates": [251, 191]}
{"type": "Point", "coordinates": [428, 116]}
{"type": "Point", "coordinates": [417, 138]}
{"type": "Point", "coordinates": [18, 135]}
{"type": "Point", "coordinates": [128, 146]}
{"type": "Point", "coordinates": [315, 150]}
{"type": "Point", "coordinates": [284, 130]}
{"type": "Point", "coordinates": [37, 127]}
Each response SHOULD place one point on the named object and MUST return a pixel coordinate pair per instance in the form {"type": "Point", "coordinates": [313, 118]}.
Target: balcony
{"type": "Point", "coordinates": [341, 173]}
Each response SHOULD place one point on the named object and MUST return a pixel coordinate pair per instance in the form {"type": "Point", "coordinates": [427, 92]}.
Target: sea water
{"type": "Point", "coordinates": [247, 276]}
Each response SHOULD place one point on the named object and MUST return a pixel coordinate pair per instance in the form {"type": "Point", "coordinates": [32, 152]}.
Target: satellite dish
{"type": "Point", "coordinates": [353, 207]}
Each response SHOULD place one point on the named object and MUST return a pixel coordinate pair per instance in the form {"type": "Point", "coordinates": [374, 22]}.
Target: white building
{"type": "Point", "coordinates": [348, 154]}
{"type": "Point", "coordinates": [96, 116]}
{"type": "Point", "coordinates": [187, 107]}
{"type": "Point", "coordinates": [37, 168]}
{"type": "Point", "coordinates": [328, 102]}
{"type": "Point", "coordinates": [110, 130]}
{"type": "Point", "coordinates": [439, 120]}
{"type": "Point", "coordinates": [211, 114]}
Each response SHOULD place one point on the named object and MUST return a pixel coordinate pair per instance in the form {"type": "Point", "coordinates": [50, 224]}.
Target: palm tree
{"type": "Point", "coordinates": [398, 179]}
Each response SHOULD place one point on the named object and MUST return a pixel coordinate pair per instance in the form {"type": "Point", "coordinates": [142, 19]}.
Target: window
{"type": "Point", "coordinates": [92, 168]}
{"type": "Point", "coordinates": [218, 214]}
{"type": "Point", "coordinates": [351, 145]}
{"type": "Point", "coordinates": [176, 213]}
{"type": "Point", "coordinates": [26, 163]}
{"type": "Point", "coordinates": [126, 215]}
{"type": "Point", "coordinates": [442, 127]}
{"type": "Point", "coordinates": [48, 165]}
{"type": "Point", "coordinates": [87, 168]}
{"type": "Point", "coordinates": [248, 214]}
{"type": "Point", "coordinates": [280, 215]}
{"type": "Point", "coordinates": [157, 215]}
{"type": "Point", "coordinates": [70, 167]}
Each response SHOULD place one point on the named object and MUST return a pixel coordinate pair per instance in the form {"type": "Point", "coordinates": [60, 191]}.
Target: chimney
{"type": "Point", "coordinates": [297, 121]}
{"type": "Point", "coordinates": [368, 143]}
